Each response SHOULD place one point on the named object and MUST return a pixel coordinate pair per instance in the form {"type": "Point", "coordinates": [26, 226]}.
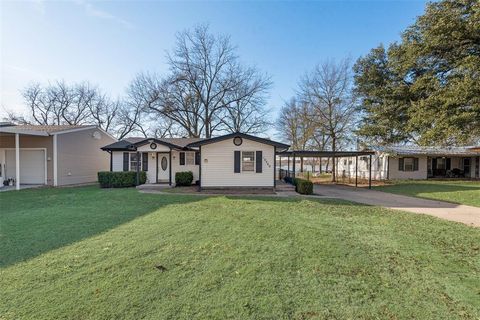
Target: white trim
{"type": "Point", "coordinates": [41, 149]}
{"type": "Point", "coordinates": [55, 162]}
{"type": "Point", "coordinates": [26, 132]}
{"type": "Point", "coordinates": [17, 161]}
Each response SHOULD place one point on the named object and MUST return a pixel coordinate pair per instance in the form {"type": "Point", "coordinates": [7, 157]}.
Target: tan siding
{"type": "Point", "coordinates": [8, 141]}
{"type": "Point", "coordinates": [218, 160]}
{"type": "Point", "coordinates": [420, 174]}
{"type": "Point", "coordinates": [80, 157]}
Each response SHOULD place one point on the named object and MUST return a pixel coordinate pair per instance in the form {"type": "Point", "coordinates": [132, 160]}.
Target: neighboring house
{"type": "Point", "coordinates": [412, 162]}
{"type": "Point", "coordinates": [232, 160]}
{"type": "Point", "coordinates": [52, 155]}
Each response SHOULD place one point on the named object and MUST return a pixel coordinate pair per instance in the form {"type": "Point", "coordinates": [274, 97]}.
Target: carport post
{"type": "Point", "coordinates": [288, 166]}
{"type": "Point", "coordinates": [356, 171]}
{"type": "Point", "coordinates": [294, 165]}
{"type": "Point", "coordinates": [279, 167]}
{"type": "Point", "coordinates": [138, 168]}
{"type": "Point", "coordinates": [17, 161]}
{"type": "Point", "coordinates": [370, 172]}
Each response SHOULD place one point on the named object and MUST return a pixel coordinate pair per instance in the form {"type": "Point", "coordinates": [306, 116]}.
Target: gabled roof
{"type": "Point", "coordinates": [242, 135]}
{"type": "Point", "coordinates": [428, 150]}
{"type": "Point", "coordinates": [132, 143]}
{"type": "Point", "coordinates": [129, 144]}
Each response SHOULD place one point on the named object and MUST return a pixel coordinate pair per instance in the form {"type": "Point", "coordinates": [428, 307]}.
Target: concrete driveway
{"type": "Point", "coordinates": [445, 210]}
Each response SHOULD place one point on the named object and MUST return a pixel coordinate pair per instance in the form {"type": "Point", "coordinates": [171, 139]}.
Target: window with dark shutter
{"type": "Point", "coordinates": [415, 164]}
{"type": "Point", "coordinates": [145, 161]}
{"type": "Point", "coordinates": [258, 161]}
{"type": "Point", "coordinates": [182, 158]}
{"type": "Point", "coordinates": [236, 162]}
{"type": "Point", "coordinates": [400, 164]}
{"type": "Point", "coordinates": [126, 161]}
{"type": "Point", "coordinates": [197, 158]}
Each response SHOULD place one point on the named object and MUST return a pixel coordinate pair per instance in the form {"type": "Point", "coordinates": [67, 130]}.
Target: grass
{"type": "Point", "coordinates": [463, 192]}
{"type": "Point", "coordinates": [89, 253]}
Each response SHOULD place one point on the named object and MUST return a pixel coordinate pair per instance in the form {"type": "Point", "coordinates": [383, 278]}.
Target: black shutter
{"type": "Point", "coordinates": [126, 160]}
{"type": "Point", "coordinates": [236, 162]}
{"type": "Point", "coordinates": [449, 163]}
{"type": "Point", "coordinates": [415, 164]}
{"type": "Point", "coordinates": [197, 157]}
{"type": "Point", "coordinates": [145, 161]}
{"type": "Point", "coordinates": [258, 161]}
{"type": "Point", "coordinates": [400, 164]}
{"type": "Point", "coordinates": [182, 158]}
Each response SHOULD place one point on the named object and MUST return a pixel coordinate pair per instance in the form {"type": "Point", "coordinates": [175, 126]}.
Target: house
{"type": "Point", "coordinates": [56, 155]}
{"type": "Point", "coordinates": [235, 160]}
{"type": "Point", "coordinates": [413, 162]}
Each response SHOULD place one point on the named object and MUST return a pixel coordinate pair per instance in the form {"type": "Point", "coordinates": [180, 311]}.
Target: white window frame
{"type": "Point", "coordinates": [186, 155]}
{"type": "Point", "coordinates": [134, 168]}
{"type": "Point", "coordinates": [192, 155]}
{"type": "Point", "coordinates": [253, 161]}
{"type": "Point", "coordinates": [409, 166]}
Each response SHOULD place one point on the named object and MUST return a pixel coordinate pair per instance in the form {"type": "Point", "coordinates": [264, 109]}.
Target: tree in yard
{"type": "Point", "coordinates": [207, 67]}
{"type": "Point", "coordinates": [427, 86]}
{"type": "Point", "coordinates": [78, 104]}
{"type": "Point", "coordinates": [328, 90]}
{"type": "Point", "coordinates": [295, 124]}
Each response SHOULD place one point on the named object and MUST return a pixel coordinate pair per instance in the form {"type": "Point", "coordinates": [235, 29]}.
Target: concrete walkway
{"type": "Point", "coordinates": [445, 210]}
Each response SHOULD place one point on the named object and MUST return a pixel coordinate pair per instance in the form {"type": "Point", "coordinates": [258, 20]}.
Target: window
{"type": "Point", "coordinates": [248, 161]}
{"type": "Point", "coordinates": [133, 162]}
{"type": "Point", "coordinates": [187, 158]}
{"type": "Point", "coordinates": [379, 163]}
{"type": "Point", "coordinates": [408, 164]}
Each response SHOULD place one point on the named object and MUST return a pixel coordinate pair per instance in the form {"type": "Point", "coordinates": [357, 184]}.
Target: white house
{"type": "Point", "coordinates": [234, 160]}
{"type": "Point", "coordinates": [413, 162]}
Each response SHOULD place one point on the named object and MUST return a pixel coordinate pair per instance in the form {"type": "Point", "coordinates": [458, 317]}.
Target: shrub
{"type": "Point", "coordinates": [120, 179]}
{"type": "Point", "coordinates": [291, 180]}
{"type": "Point", "coordinates": [183, 178]}
{"type": "Point", "coordinates": [304, 186]}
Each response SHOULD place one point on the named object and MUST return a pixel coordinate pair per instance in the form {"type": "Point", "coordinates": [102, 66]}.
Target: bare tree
{"type": "Point", "coordinates": [209, 67]}
{"type": "Point", "coordinates": [78, 104]}
{"type": "Point", "coordinates": [246, 112]}
{"type": "Point", "coordinates": [328, 89]}
{"type": "Point", "coordinates": [296, 122]}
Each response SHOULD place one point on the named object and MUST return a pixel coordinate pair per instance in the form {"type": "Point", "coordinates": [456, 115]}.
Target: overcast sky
{"type": "Point", "coordinates": [107, 43]}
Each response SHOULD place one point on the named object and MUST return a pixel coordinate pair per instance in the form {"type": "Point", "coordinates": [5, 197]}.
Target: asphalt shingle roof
{"type": "Point", "coordinates": [428, 150]}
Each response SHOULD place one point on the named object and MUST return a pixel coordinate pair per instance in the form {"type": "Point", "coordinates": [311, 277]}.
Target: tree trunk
{"type": "Point", "coordinates": [334, 166]}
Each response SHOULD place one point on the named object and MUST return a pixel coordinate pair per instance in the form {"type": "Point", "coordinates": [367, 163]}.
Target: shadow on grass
{"type": "Point", "coordinates": [36, 221]}
{"type": "Point", "coordinates": [412, 188]}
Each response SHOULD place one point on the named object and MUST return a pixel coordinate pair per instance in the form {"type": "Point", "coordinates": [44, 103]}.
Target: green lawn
{"type": "Point", "coordinates": [90, 253]}
{"type": "Point", "coordinates": [464, 192]}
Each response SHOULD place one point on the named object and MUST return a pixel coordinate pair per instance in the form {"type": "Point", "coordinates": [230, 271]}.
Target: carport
{"type": "Point", "coordinates": [301, 154]}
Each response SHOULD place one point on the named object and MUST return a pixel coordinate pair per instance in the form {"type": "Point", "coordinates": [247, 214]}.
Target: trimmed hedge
{"type": "Point", "coordinates": [184, 178]}
{"type": "Point", "coordinates": [120, 179]}
{"type": "Point", "coordinates": [302, 186]}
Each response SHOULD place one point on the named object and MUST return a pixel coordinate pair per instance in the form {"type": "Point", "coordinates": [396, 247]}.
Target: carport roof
{"type": "Point", "coordinates": [41, 130]}
{"type": "Point", "coordinates": [330, 154]}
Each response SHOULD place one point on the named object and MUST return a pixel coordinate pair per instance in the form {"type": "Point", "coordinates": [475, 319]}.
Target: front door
{"type": "Point", "coordinates": [163, 167]}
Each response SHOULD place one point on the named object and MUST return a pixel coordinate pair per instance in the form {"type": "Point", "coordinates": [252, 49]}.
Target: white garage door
{"type": "Point", "coordinates": [32, 166]}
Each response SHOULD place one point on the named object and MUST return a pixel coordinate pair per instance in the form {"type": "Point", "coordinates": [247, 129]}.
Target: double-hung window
{"type": "Point", "coordinates": [187, 158]}
{"type": "Point", "coordinates": [408, 164]}
{"type": "Point", "coordinates": [248, 161]}
{"type": "Point", "coordinates": [133, 162]}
